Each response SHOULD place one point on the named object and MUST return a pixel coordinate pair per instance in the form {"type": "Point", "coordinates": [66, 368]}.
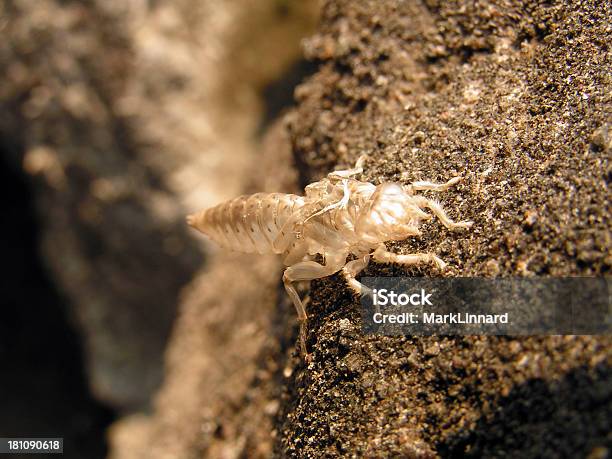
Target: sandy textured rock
{"type": "Point", "coordinates": [515, 97]}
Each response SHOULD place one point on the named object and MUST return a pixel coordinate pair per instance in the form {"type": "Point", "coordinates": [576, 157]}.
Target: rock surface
{"type": "Point", "coordinates": [130, 115]}
{"type": "Point", "coordinates": [515, 97]}
{"type": "Point", "coordinates": [120, 112]}
{"type": "Point", "coordinates": [512, 96]}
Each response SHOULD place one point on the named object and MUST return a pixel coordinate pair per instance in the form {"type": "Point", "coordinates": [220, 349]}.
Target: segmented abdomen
{"type": "Point", "coordinates": [248, 223]}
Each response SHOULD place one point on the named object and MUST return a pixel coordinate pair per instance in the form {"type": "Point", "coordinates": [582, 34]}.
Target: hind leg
{"type": "Point", "coordinates": [350, 271]}
{"type": "Point", "coordinates": [306, 271]}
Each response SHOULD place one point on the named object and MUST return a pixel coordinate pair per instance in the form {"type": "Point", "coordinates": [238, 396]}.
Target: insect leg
{"type": "Point", "coordinates": [430, 186]}
{"type": "Point", "coordinates": [342, 203]}
{"type": "Point", "coordinates": [305, 271]}
{"type": "Point", "coordinates": [382, 255]}
{"type": "Point", "coordinates": [358, 169]}
{"type": "Point", "coordinates": [351, 269]}
{"type": "Point", "coordinates": [437, 209]}
{"type": "Point", "coordinates": [295, 253]}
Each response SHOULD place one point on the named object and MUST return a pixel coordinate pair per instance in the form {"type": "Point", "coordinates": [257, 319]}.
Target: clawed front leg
{"type": "Point", "coordinates": [306, 271]}
{"type": "Point", "coordinates": [382, 255]}
{"type": "Point", "coordinates": [437, 209]}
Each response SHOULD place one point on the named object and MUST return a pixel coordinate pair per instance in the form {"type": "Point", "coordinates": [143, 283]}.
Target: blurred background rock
{"type": "Point", "coordinates": [116, 119]}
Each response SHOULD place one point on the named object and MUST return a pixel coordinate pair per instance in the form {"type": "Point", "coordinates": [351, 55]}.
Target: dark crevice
{"type": "Point", "coordinates": [43, 389]}
{"type": "Point", "coordinates": [278, 95]}
{"type": "Point", "coordinates": [577, 405]}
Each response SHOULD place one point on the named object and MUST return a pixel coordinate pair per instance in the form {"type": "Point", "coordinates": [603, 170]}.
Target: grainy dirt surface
{"type": "Point", "coordinates": [515, 97]}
